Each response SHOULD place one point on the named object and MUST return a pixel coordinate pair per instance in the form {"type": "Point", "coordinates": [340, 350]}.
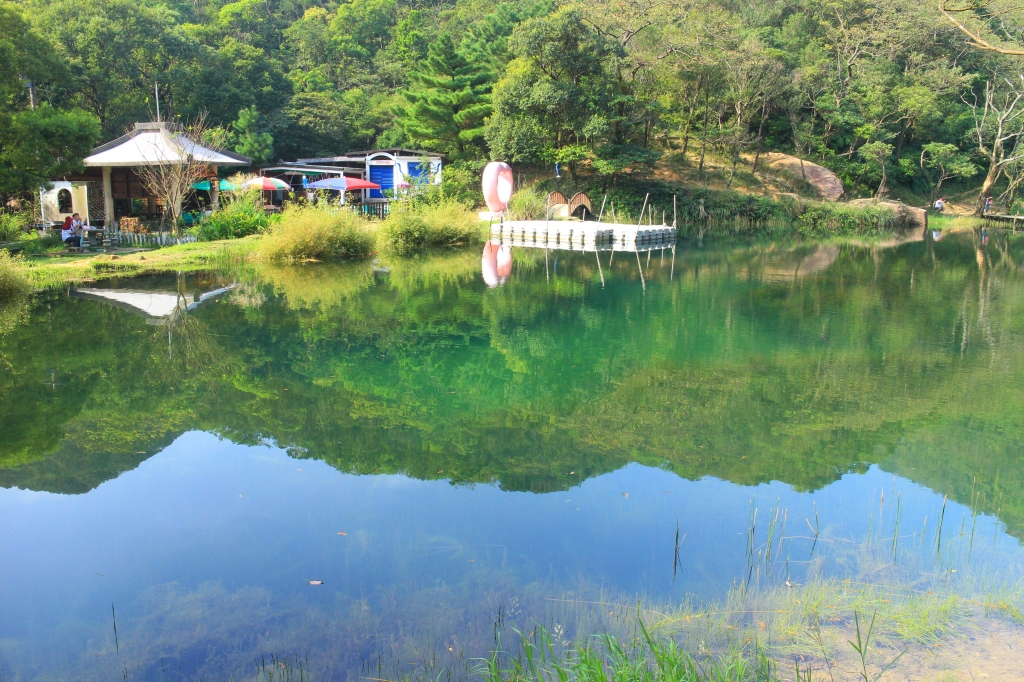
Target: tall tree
{"type": "Point", "coordinates": [998, 127]}
{"type": "Point", "coordinates": [37, 141]}
{"type": "Point", "coordinates": [558, 91]}
{"type": "Point", "coordinates": [450, 101]}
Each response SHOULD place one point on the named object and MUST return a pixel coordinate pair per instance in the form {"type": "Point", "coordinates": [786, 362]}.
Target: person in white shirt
{"type": "Point", "coordinates": [71, 234]}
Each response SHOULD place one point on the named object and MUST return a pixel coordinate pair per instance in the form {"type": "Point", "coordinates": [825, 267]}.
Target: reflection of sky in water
{"type": "Point", "coordinates": [206, 510]}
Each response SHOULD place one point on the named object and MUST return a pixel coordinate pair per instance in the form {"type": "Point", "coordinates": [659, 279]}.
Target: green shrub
{"type": "Point", "coordinates": [240, 216]}
{"type": "Point", "coordinates": [12, 225]}
{"type": "Point", "coordinates": [460, 183]}
{"type": "Point", "coordinates": [13, 282]}
{"type": "Point", "coordinates": [49, 241]}
{"type": "Point", "coordinates": [317, 233]}
{"type": "Point", "coordinates": [836, 220]}
{"type": "Point", "coordinates": [527, 204]}
{"type": "Point", "coordinates": [411, 227]}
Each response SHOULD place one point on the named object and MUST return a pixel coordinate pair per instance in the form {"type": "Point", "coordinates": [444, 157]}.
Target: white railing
{"type": "Point", "coordinates": [151, 239]}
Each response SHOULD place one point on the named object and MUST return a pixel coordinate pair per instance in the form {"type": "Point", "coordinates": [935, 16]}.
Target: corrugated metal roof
{"type": "Point", "coordinates": [362, 154]}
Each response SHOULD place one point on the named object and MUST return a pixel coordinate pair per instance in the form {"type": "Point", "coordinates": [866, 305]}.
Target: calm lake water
{"type": "Point", "coordinates": [180, 455]}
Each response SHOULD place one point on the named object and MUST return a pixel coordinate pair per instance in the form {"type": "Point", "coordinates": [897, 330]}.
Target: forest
{"type": "Point", "coordinates": [899, 98]}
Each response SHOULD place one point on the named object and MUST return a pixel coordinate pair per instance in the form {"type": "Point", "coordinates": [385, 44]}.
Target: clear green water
{"type": "Point", "coordinates": [486, 451]}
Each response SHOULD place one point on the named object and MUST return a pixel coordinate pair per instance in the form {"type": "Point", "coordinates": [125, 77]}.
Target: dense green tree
{"type": "Point", "coordinates": [249, 139]}
{"type": "Point", "coordinates": [37, 141]}
{"type": "Point", "coordinates": [115, 50]}
{"type": "Point", "coordinates": [449, 102]}
{"type": "Point", "coordinates": [609, 86]}
{"type": "Point", "coordinates": [945, 161]}
{"type": "Point", "coordinates": [316, 127]}
{"type": "Point", "coordinates": [557, 84]}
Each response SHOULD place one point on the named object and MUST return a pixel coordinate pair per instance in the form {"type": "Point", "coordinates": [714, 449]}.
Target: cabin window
{"type": "Point", "coordinates": [64, 201]}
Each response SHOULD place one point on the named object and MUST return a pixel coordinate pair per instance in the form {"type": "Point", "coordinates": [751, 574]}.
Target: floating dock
{"type": "Point", "coordinates": [583, 235]}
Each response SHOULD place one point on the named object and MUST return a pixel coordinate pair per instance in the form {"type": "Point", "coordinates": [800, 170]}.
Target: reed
{"type": "Point", "coordinates": [307, 233]}
{"type": "Point", "coordinates": [413, 227]}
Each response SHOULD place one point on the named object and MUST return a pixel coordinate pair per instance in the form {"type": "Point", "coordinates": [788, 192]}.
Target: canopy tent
{"type": "Point", "coordinates": [224, 185]}
{"type": "Point", "coordinates": [156, 144]}
{"type": "Point", "coordinates": [343, 184]}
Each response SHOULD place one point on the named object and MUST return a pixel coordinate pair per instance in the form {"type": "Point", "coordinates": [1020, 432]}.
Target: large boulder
{"type": "Point", "coordinates": [828, 184]}
{"type": "Point", "coordinates": [911, 216]}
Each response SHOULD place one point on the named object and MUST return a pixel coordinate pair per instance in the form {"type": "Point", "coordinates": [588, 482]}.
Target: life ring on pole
{"type": "Point", "coordinates": [497, 185]}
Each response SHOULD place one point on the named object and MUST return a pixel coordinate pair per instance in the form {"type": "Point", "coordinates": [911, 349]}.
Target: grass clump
{"type": "Point", "coordinates": [527, 204]}
{"type": "Point", "coordinates": [13, 225]}
{"type": "Point", "coordinates": [240, 216]}
{"type": "Point", "coordinates": [315, 233]}
{"type": "Point", "coordinates": [832, 220]}
{"type": "Point", "coordinates": [412, 227]}
{"type": "Point", "coordinates": [13, 282]}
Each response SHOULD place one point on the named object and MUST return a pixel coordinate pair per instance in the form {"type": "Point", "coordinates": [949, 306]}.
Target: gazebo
{"type": "Point", "coordinates": [150, 144]}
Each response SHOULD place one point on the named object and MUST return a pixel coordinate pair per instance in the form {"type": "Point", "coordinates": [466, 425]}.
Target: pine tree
{"type": "Point", "coordinates": [449, 101]}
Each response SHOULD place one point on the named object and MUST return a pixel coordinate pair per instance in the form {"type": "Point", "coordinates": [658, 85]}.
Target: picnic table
{"type": "Point", "coordinates": [94, 235]}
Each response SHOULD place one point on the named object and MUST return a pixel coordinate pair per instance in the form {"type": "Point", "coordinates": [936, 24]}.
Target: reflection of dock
{"type": "Point", "coordinates": [583, 236]}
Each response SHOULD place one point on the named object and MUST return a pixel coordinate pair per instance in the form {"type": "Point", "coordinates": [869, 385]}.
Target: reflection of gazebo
{"type": "Point", "coordinates": [148, 144]}
{"type": "Point", "coordinates": [158, 307]}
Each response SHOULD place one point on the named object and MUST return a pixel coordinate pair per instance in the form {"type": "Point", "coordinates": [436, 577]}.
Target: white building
{"type": "Point", "coordinates": [389, 168]}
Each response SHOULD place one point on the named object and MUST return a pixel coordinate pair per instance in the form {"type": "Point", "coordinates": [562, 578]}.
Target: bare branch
{"type": "Point", "coordinates": [974, 38]}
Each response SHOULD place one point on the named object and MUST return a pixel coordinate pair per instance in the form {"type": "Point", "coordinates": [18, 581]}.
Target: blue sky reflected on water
{"type": "Point", "coordinates": [208, 512]}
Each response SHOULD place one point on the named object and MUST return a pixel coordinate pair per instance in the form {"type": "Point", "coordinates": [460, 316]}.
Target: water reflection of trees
{"type": "Point", "coordinates": [730, 370]}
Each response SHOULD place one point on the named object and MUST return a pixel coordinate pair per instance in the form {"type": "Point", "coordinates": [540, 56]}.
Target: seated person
{"type": "Point", "coordinates": [71, 233]}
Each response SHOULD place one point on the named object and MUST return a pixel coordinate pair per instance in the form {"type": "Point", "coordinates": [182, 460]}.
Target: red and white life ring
{"type": "Point", "coordinates": [496, 264]}
{"type": "Point", "coordinates": [497, 185]}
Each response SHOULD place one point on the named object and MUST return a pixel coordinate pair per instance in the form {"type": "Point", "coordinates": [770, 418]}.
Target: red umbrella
{"type": "Point", "coordinates": [359, 183]}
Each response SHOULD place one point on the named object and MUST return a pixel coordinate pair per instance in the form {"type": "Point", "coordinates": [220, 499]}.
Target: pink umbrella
{"type": "Point", "coordinates": [266, 184]}
{"type": "Point", "coordinates": [343, 184]}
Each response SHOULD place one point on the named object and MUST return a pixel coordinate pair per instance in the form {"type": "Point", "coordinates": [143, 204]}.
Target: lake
{"type": "Point", "coordinates": [180, 455]}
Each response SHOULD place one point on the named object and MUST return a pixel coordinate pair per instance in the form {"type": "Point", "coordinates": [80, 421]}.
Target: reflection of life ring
{"type": "Point", "coordinates": [497, 185]}
{"type": "Point", "coordinates": [496, 264]}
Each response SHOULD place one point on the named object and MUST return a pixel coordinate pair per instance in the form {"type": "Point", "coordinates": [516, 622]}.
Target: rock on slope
{"type": "Point", "coordinates": [825, 181]}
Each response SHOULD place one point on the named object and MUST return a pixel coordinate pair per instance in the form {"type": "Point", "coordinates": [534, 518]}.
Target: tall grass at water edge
{"type": "Point", "coordinates": [13, 281]}
{"type": "Point", "coordinates": [411, 227]}
{"type": "Point", "coordinates": [909, 594]}
{"type": "Point", "coordinates": [306, 233]}
{"type": "Point", "coordinates": [13, 225]}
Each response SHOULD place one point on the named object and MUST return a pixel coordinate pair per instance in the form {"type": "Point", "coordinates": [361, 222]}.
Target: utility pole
{"type": "Point", "coordinates": [33, 100]}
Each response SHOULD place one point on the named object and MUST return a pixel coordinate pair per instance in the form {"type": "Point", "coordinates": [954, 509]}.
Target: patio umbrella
{"type": "Point", "coordinates": [343, 184]}
{"type": "Point", "coordinates": [204, 185]}
{"type": "Point", "coordinates": [266, 184]}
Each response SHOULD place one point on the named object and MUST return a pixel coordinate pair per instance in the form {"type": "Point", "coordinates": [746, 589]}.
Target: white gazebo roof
{"type": "Point", "coordinates": [159, 144]}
